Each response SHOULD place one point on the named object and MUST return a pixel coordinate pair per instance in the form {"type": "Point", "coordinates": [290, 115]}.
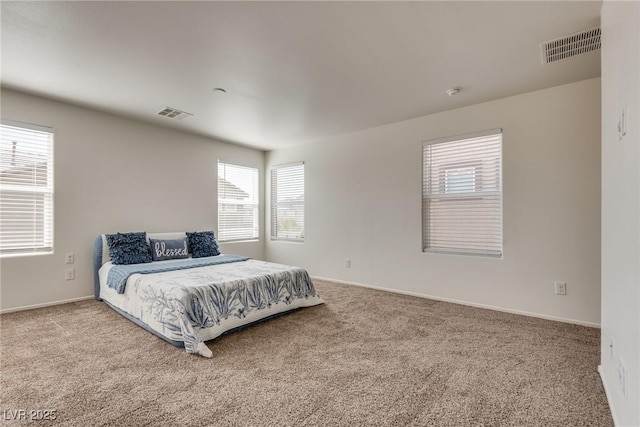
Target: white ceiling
{"type": "Point", "coordinates": [294, 72]}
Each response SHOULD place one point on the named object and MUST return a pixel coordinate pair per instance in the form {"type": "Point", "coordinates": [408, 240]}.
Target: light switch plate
{"type": "Point", "coordinates": [622, 124]}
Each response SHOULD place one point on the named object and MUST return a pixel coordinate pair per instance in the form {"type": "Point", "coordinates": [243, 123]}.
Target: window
{"type": "Point", "coordinates": [238, 204]}
{"type": "Point", "coordinates": [287, 202]}
{"type": "Point", "coordinates": [26, 189]}
{"type": "Point", "coordinates": [459, 179]}
{"type": "Point", "coordinates": [462, 194]}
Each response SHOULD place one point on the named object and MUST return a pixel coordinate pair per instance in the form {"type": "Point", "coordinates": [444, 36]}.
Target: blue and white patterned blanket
{"type": "Point", "coordinates": [198, 304]}
{"type": "Point", "coordinates": [118, 274]}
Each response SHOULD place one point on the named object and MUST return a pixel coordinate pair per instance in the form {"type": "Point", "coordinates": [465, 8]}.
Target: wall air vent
{"type": "Point", "coordinates": [174, 113]}
{"type": "Point", "coordinates": [571, 45]}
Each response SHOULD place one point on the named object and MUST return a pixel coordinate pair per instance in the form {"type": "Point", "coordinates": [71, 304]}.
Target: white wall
{"type": "Point", "coordinates": [620, 23]}
{"type": "Point", "coordinates": [114, 174]}
{"type": "Point", "coordinates": [363, 202]}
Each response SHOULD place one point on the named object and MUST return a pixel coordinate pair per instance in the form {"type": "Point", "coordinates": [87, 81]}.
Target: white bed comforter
{"type": "Point", "coordinates": [199, 304]}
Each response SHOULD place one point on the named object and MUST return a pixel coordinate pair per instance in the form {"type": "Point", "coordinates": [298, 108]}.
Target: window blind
{"type": "Point", "coordinates": [462, 194]}
{"type": "Point", "coordinates": [26, 189]}
{"type": "Point", "coordinates": [238, 203]}
{"type": "Point", "coordinates": [287, 202]}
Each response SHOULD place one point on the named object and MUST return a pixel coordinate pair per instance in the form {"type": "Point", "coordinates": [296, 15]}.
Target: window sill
{"type": "Point", "coordinates": [25, 254]}
{"type": "Point", "coordinates": [462, 254]}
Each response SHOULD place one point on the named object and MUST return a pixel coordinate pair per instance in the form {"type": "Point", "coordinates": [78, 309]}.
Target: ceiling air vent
{"type": "Point", "coordinates": [174, 113]}
{"type": "Point", "coordinates": [571, 45]}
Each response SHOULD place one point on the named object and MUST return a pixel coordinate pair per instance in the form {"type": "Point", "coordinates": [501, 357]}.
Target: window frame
{"type": "Point", "coordinates": [478, 192]}
{"type": "Point", "coordinates": [230, 202]}
{"type": "Point", "coordinates": [48, 192]}
{"type": "Point", "coordinates": [275, 205]}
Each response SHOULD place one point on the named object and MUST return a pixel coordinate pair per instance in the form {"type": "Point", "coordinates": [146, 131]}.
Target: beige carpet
{"type": "Point", "coordinates": [363, 358]}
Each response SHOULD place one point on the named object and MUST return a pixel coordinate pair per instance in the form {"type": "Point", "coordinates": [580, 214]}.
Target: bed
{"type": "Point", "coordinates": [188, 301]}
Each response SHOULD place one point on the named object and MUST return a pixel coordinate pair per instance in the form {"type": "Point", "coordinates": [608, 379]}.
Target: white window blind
{"type": "Point", "coordinates": [238, 203]}
{"type": "Point", "coordinates": [26, 189]}
{"type": "Point", "coordinates": [462, 194]}
{"type": "Point", "coordinates": [287, 202]}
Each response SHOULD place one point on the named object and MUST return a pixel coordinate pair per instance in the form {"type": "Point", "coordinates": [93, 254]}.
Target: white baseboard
{"type": "Point", "coordinates": [379, 288]}
{"type": "Point", "coordinates": [46, 304]}
{"type": "Point", "coordinates": [606, 392]}
{"type": "Point", "coordinates": [471, 304]}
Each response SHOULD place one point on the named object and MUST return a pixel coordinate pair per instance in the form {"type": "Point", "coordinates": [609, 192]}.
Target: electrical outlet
{"type": "Point", "coordinates": [70, 258]}
{"type": "Point", "coordinates": [70, 274]}
{"type": "Point", "coordinates": [347, 263]}
{"type": "Point", "coordinates": [561, 288]}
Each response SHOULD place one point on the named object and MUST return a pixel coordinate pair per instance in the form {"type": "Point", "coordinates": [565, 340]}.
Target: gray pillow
{"type": "Point", "coordinates": [128, 248]}
{"type": "Point", "coordinates": [163, 249]}
{"type": "Point", "coordinates": [203, 244]}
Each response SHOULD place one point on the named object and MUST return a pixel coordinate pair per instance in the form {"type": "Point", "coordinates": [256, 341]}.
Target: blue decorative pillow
{"type": "Point", "coordinates": [128, 248]}
{"type": "Point", "coordinates": [169, 249]}
{"type": "Point", "coordinates": [203, 244]}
